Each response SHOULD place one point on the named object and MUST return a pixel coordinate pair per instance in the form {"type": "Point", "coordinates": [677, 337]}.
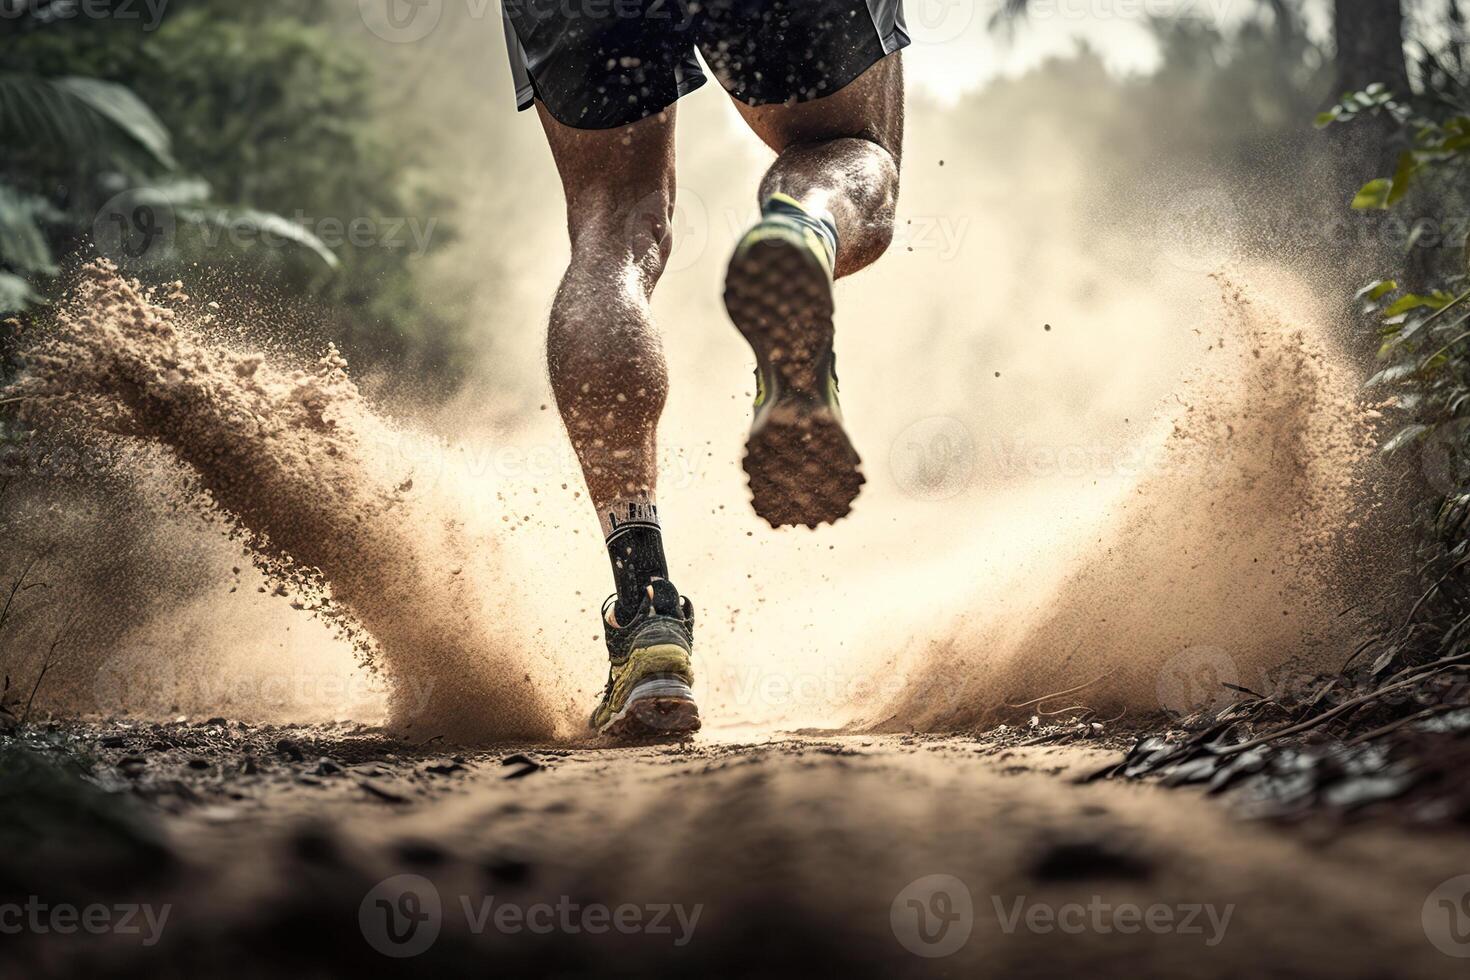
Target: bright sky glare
{"type": "Point", "coordinates": [957, 49]}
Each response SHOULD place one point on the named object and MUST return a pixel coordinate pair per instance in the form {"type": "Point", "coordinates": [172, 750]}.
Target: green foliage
{"type": "Point", "coordinates": [1425, 331]}
{"type": "Point", "coordinates": [82, 117]}
{"type": "Point", "coordinates": [233, 139]}
{"type": "Point", "coordinates": [1439, 146]}
{"type": "Point", "coordinates": [1372, 99]}
{"type": "Point", "coordinates": [89, 133]}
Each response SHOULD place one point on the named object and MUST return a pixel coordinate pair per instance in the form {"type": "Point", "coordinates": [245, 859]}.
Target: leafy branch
{"type": "Point", "coordinates": [1422, 332]}
{"type": "Point", "coordinates": [101, 132]}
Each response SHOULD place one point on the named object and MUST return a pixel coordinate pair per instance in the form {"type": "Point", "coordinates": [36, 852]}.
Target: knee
{"type": "Point", "coordinates": [633, 233]}
{"type": "Point", "coordinates": [882, 178]}
{"type": "Point", "coordinates": [879, 232]}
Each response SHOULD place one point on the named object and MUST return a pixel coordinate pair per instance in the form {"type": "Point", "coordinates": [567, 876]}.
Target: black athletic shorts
{"type": "Point", "coordinates": [596, 64]}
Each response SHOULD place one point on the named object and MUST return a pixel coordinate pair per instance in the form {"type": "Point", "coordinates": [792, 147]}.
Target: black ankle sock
{"type": "Point", "coordinates": [635, 544]}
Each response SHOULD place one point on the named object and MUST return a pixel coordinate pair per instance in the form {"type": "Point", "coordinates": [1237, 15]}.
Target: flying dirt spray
{"type": "Point", "coordinates": [1223, 563]}
{"type": "Point", "coordinates": [282, 455]}
{"type": "Point", "coordinates": [1224, 553]}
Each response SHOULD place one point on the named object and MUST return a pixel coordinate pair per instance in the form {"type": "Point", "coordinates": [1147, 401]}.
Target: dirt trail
{"type": "Point", "coordinates": [794, 850]}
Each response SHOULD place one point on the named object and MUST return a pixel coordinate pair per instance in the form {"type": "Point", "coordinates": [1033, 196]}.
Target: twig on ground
{"type": "Point", "coordinates": [1062, 711]}
{"type": "Point", "coordinates": [1394, 726]}
{"type": "Point", "coordinates": [1432, 588]}
{"type": "Point", "coordinates": [1070, 690]}
{"type": "Point", "coordinates": [47, 664]}
{"type": "Point", "coordinates": [15, 588]}
{"type": "Point", "coordinates": [1331, 713]}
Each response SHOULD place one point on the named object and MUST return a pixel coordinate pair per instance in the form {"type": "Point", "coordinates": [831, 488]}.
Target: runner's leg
{"type": "Point", "coordinates": [605, 358]}
{"type": "Point", "coordinates": [841, 153]}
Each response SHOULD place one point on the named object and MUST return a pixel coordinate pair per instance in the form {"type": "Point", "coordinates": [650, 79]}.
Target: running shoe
{"type": "Point", "coordinates": [803, 469]}
{"type": "Point", "coordinates": [649, 680]}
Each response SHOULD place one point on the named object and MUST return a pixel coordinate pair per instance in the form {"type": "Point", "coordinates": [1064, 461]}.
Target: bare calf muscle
{"type": "Point", "coordinates": [603, 352]}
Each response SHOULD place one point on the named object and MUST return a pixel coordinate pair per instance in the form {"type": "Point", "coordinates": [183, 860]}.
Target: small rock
{"type": "Point", "coordinates": [1089, 859]}
{"type": "Point", "coordinates": [382, 792]}
{"type": "Point", "coordinates": [315, 845]}
{"type": "Point", "coordinates": [509, 870]}
{"type": "Point", "coordinates": [422, 853]}
{"type": "Point", "coordinates": [527, 765]}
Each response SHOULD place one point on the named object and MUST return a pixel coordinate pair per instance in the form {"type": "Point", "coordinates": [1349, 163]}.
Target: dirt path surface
{"type": "Point", "coordinates": [281, 849]}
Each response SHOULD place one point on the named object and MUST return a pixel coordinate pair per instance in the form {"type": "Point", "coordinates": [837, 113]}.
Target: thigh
{"type": "Point", "coordinates": [600, 64]}
{"type": "Point", "coordinates": [623, 175]}
{"type": "Point", "coordinates": [791, 51]}
{"type": "Point", "coordinates": [870, 108]}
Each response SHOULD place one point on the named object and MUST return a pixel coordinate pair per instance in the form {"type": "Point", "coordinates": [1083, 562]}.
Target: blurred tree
{"type": "Point", "coordinates": [1369, 36]}
{"type": "Point", "coordinates": [264, 105]}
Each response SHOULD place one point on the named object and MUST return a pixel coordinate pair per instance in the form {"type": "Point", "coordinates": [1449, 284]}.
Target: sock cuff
{"type": "Point", "coordinates": [626, 513]}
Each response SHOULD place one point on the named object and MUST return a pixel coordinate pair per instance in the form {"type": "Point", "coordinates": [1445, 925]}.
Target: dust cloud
{"type": "Point", "coordinates": [1082, 464]}
{"type": "Point", "coordinates": [288, 457]}
{"type": "Point", "coordinates": [1225, 561]}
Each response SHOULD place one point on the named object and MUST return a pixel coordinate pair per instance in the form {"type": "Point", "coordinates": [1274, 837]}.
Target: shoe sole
{"type": "Point", "coordinates": [659, 707]}
{"type": "Point", "coordinates": [800, 463]}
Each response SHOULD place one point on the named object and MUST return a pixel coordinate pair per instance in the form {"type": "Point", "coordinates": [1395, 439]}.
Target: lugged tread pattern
{"type": "Point", "coordinates": [802, 468]}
